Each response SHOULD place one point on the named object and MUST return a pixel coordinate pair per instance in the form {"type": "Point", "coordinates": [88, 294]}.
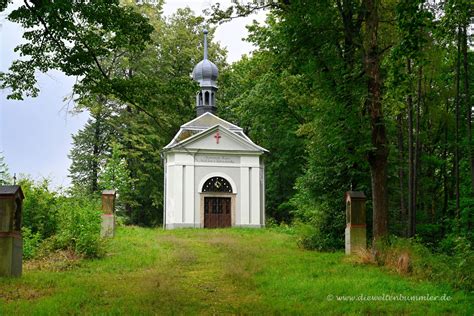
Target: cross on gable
{"type": "Point", "coordinates": [217, 137]}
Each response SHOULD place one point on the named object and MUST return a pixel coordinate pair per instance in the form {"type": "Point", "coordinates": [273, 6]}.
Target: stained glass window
{"type": "Point", "coordinates": [217, 184]}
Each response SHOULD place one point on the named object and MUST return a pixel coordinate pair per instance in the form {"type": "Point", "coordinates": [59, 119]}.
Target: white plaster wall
{"type": "Point", "coordinates": [226, 142]}
{"type": "Point", "coordinates": [185, 177]}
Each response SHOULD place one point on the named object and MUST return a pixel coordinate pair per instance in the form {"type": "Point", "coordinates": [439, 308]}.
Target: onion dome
{"type": "Point", "coordinates": [206, 72]}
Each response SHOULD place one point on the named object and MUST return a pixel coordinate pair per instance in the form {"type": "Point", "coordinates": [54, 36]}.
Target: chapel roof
{"type": "Point", "coordinates": [207, 120]}
{"type": "Point", "coordinates": [207, 123]}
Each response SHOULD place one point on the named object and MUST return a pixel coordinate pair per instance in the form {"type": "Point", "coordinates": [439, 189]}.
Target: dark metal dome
{"type": "Point", "coordinates": [205, 72]}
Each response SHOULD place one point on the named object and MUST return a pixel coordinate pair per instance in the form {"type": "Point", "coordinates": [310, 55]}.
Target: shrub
{"type": "Point", "coordinates": [320, 228]}
{"type": "Point", "coordinates": [311, 237]}
{"type": "Point", "coordinates": [79, 226]}
{"type": "Point", "coordinates": [39, 207]}
{"type": "Point", "coordinates": [410, 257]}
{"type": "Point", "coordinates": [31, 242]}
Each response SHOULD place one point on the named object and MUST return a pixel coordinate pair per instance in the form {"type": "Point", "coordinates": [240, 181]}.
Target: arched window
{"type": "Point", "coordinates": [217, 184]}
{"type": "Point", "coordinates": [206, 98]}
{"type": "Point", "coordinates": [200, 98]}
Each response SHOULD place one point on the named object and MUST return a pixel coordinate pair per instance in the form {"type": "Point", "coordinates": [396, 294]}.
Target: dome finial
{"type": "Point", "coordinates": [206, 72]}
{"type": "Point", "coordinates": [204, 31]}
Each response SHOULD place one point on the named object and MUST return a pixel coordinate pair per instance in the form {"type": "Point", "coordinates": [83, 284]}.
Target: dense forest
{"type": "Point", "coordinates": [362, 95]}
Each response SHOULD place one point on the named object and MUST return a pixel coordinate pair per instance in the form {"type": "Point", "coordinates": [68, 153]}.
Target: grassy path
{"type": "Point", "coordinates": [233, 271]}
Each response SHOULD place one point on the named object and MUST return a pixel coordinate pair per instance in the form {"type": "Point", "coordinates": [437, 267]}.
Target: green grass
{"type": "Point", "coordinates": [231, 271]}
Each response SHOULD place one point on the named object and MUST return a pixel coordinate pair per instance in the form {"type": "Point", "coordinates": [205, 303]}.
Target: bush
{"type": "Point", "coordinates": [39, 207]}
{"type": "Point", "coordinates": [320, 228]}
{"type": "Point", "coordinates": [79, 226]}
{"type": "Point", "coordinates": [462, 254]}
{"type": "Point", "coordinates": [410, 257]}
{"type": "Point", "coordinates": [52, 221]}
{"type": "Point", "coordinates": [31, 243]}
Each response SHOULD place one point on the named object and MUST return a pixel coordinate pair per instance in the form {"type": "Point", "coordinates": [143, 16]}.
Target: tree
{"type": "Point", "coordinates": [267, 104]}
{"type": "Point", "coordinates": [77, 38]}
{"type": "Point", "coordinates": [115, 174]}
{"type": "Point", "coordinates": [160, 76]}
{"type": "Point", "coordinates": [373, 77]}
{"type": "Point", "coordinates": [4, 173]}
{"type": "Point", "coordinates": [91, 147]}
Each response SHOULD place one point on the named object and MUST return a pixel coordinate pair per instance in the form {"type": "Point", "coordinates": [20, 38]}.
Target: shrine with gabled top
{"type": "Point", "coordinates": [214, 173]}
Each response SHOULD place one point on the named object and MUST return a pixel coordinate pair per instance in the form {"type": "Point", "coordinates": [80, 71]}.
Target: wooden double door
{"type": "Point", "coordinates": [217, 212]}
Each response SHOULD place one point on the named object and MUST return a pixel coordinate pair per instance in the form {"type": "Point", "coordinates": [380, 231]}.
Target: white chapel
{"type": "Point", "coordinates": [214, 174]}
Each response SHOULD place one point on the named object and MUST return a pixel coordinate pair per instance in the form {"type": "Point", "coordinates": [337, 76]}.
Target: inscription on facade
{"type": "Point", "coordinates": [217, 159]}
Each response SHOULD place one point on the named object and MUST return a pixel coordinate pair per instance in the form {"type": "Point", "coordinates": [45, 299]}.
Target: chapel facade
{"type": "Point", "coordinates": [214, 175]}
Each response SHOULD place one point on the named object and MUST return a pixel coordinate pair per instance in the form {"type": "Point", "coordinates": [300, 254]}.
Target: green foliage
{"type": "Point", "coordinates": [91, 147]}
{"type": "Point", "coordinates": [320, 228]}
{"type": "Point", "coordinates": [40, 214]}
{"type": "Point", "coordinates": [74, 37]}
{"type": "Point", "coordinates": [79, 224]}
{"type": "Point", "coordinates": [52, 221]}
{"type": "Point", "coordinates": [270, 107]}
{"type": "Point", "coordinates": [166, 96]}
{"type": "Point", "coordinates": [31, 243]}
{"type": "Point", "coordinates": [303, 95]}
{"type": "Point", "coordinates": [456, 269]}
{"type": "Point", "coordinates": [116, 175]}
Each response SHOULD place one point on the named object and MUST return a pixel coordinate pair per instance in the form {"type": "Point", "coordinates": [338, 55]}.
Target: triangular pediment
{"type": "Point", "coordinates": [218, 138]}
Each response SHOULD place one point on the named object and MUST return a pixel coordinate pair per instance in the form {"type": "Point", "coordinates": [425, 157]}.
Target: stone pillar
{"type": "Point", "coordinates": [355, 222]}
{"type": "Point", "coordinates": [108, 213]}
{"type": "Point", "coordinates": [11, 244]}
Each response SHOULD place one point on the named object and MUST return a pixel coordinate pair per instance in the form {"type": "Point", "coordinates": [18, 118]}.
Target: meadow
{"type": "Point", "coordinates": [222, 271]}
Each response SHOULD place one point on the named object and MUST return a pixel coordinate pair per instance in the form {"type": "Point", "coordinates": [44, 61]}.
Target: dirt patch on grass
{"type": "Point", "coordinates": [22, 292]}
{"type": "Point", "coordinates": [63, 260]}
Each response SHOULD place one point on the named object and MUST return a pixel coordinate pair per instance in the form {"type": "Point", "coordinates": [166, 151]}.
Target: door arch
{"type": "Point", "coordinates": [217, 203]}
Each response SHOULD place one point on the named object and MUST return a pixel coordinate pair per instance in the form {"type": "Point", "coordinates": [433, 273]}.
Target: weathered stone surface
{"type": "Point", "coordinates": [11, 256]}
{"type": "Point", "coordinates": [355, 234]}
{"type": "Point", "coordinates": [11, 244]}
{"type": "Point", "coordinates": [108, 226]}
{"type": "Point", "coordinates": [356, 239]}
{"type": "Point", "coordinates": [108, 201]}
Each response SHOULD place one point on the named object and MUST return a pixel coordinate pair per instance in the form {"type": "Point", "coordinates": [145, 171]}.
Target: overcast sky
{"type": "Point", "coordinates": [35, 134]}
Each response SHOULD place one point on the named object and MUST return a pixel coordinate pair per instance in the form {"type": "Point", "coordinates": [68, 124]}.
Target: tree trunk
{"type": "Point", "coordinates": [96, 150]}
{"type": "Point", "coordinates": [378, 157]}
{"type": "Point", "coordinates": [467, 98]}
{"type": "Point", "coordinates": [411, 161]}
{"type": "Point", "coordinates": [416, 160]}
{"type": "Point", "coordinates": [401, 171]}
{"type": "Point", "coordinates": [457, 110]}
{"type": "Point", "coordinates": [128, 159]}
{"type": "Point", "coordinates": [445, 172]}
